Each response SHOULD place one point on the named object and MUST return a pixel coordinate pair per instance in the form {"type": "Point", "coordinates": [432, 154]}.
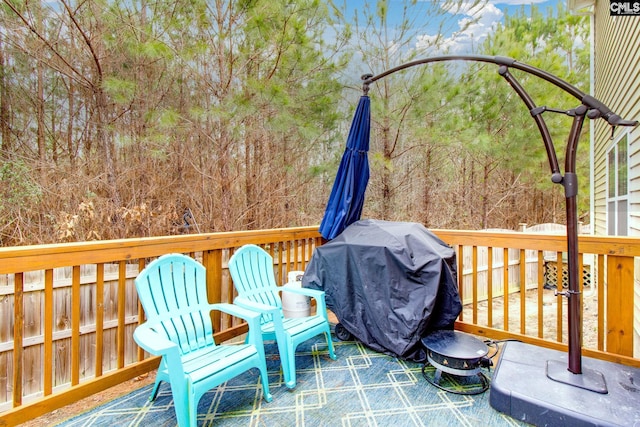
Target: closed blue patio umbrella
{"type": "Point", "coordinates": [347, 195]}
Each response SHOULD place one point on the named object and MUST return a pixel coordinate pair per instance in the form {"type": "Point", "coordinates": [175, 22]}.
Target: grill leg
{"type": "Point", "coordinates": [437, 376]}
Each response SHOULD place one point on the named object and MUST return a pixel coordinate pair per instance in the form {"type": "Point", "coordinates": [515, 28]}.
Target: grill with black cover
{"type": "Point", "coordinates": [388, 283]}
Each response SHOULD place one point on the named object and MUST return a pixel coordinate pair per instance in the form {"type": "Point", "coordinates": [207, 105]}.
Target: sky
{"type": "Point", "coordinates": [457, 40]}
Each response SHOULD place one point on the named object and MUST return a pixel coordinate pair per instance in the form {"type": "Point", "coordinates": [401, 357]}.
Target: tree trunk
{"type": "Point", "coordinates": [426, 190]}
{"type": "Point", "coordinates": [485, 196]}
{"type": "Point", "coordinates": [71, 152]}
{"type": "Point", "coordinates": [5, 126]}
{"type": "Point", "coordinates": [42, 153]}
{"type": "Point", "coordinates": [105, 141]}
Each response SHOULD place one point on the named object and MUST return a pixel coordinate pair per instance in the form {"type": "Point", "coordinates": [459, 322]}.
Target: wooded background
{"type": "Point", "coordinates": [145, 118]}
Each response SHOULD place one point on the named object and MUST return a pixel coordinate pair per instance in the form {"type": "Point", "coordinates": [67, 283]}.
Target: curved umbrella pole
{"type": "Point", "coordinates": [590, 107]}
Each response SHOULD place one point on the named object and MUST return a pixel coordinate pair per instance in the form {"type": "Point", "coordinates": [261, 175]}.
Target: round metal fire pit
{"type": "Point", "coordinates": [456, 354]}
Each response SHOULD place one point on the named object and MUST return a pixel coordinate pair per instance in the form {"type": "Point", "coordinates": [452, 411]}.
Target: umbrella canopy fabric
{"type": "Point", "coordinates": [347, 195]}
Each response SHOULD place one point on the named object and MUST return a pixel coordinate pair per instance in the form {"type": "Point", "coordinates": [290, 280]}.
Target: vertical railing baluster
{"type": "Point", "coordinates": [75, 325]}
{"type": "Point", "coordinates": [306, 253]}
{"type": "Point", "coordinates": [523, 292]}
{"type": "Point", "coordinates": [581, 290]}
{"type": "Point", "coordinates": [601, 301]}
{"type": "Point", "coordinates": [120, 340]}
{"type": "Point", "coordinates": [141, 317]}
{"type": "Point", "coordinates": [559, 298]}
{"type": "Point", "coordinates": [281, 260]}
{"type": "Point", "coordinates": [48, 332]}
{"type": "Point", "coordinates": [505, 286]}
{"type": "Point", "coordinates": [540, 294]}
{"type": "Point", "coordinates": [18, 334]}
{"type": "Point", "coordinates": [100, 318]}
{"type": "Point", "coordinates": [474, 284]}
{"type": "Point", "coordinates": [290, 260]}
{"type": "Point", "coordinates": [490, 287]}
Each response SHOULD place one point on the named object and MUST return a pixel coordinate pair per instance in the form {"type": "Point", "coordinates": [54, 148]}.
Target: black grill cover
{"type": "Point", "coordinates": [389, 284]}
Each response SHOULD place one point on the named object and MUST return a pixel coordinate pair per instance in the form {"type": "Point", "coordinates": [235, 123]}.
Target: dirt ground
{"type": "Point", "coordinates": [90, 402]}
{"type": "Point", "coordinates": [531, 305]}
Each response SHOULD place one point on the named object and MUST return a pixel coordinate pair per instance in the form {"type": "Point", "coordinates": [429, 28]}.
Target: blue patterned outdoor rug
{"type": "Point", "coordinates": [361, 388]}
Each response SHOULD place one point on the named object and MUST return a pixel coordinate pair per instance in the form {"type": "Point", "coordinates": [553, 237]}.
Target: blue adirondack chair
{"type": "Point", "coordinates": [172, 290]}
{"type": "Point", "coordinates": [251, 269]}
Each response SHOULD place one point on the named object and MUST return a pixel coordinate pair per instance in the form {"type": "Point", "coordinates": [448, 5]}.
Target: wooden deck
{"type": "Point", "coordinates": [68, 311]}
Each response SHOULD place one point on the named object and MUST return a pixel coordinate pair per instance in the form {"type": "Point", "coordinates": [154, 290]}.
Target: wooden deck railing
{"type": "Point", "coordinates": [609, 265]}
{"type": "Point", "coordinates": [68, 311]}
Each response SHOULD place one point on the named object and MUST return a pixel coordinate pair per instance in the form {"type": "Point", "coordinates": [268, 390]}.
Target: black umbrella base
{"type": "Point", "coordinates": [605, 394]}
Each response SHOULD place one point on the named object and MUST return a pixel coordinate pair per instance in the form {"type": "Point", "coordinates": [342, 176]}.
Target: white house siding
{"type": "Point", "coordinates": [617, 84]}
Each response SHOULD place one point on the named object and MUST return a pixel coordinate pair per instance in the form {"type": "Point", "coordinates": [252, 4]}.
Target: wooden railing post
{"type": "Point", "coordinates": [212, 261]}
{"type": "Point", "coordinates": [619, 334]}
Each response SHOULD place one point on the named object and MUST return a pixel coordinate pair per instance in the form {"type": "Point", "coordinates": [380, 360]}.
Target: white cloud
{"type": "Point", "coordinates": [475, 23]}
